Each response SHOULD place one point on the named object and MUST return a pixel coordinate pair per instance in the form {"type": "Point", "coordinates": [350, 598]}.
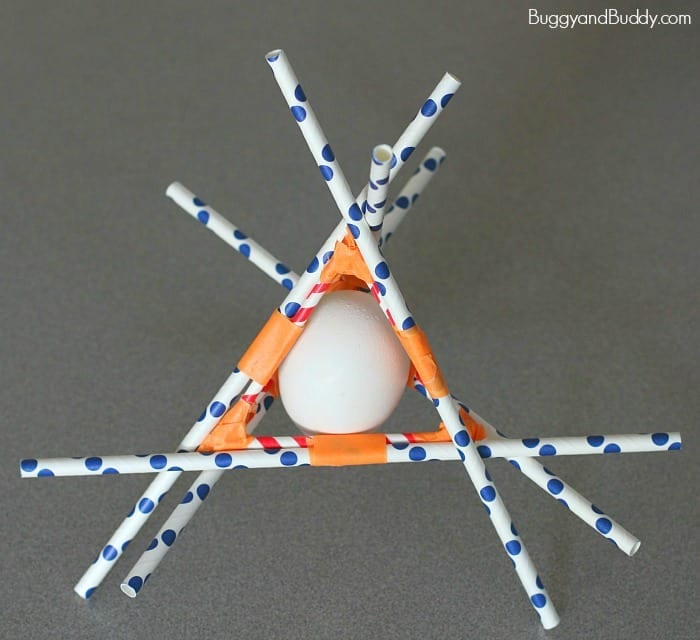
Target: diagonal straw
{"type": "Point", "coordinates": [412, 190]}
{"type": "Point", "coordinates": [400, 316]}
{"type": "Point", "coordinates": [373, 206]}
{"type": "Point", "coordinates": [181, 515]}
{"type": "Point", "coordinates": [160, 485]}
{"type": "Point", "coordinates": [231, 235]}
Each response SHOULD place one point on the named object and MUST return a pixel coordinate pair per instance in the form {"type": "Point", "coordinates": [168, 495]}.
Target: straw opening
{"type": "Point", "coordinates": [382, 153]}
{"type": "Point", "coordinates": [128, 590]}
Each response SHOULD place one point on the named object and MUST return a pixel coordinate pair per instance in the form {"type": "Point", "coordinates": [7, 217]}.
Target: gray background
{"type": "Point", "coordinates": [553, 262]}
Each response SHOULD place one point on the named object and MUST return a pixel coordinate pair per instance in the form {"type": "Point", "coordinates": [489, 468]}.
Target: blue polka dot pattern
{"type": "Point", "coordinates": [513, 530]}
{"type": "Point", "coordinates": [28, 465]}
{"type": "Point", "coordinates": [313, 266]}
{"type": "Point", "coordinates": [354, 230]}
{"type": "Point", "coordinates": [603, 525]}
{"type": "Point", "coordinates": [267, 402]}
{"type": "Point", "coordinates": [281, 268]}
{"type": "Point", "coordinates": [539, 600]}
{"type": "Point", "coordinates": [44, 473]}
{"type": "Point", "coordinates": [429, 109]}
{"type": "Point", "coordinates": [547, 450]}
{"type": "Point", "coordinates": [538, 582]}
{"type": "Point", "coordinates": [146, 505]}
{"type": "Point", "coordinates": [515, 464]}
{"type": "Point", "coordinates": [406, 153]}
{"type": "Point", "coordinates": [407, 323]}
{"type": "Point", "coordinates": [326, 172]}
{"type": "Point", "coordinates": [299, 113]}
{"type": "Point", "coordinates": [531, 443]}
{"type": "Point", "coordinates": [288, 284]}
{"type": "Point", "coordinates": [274, 57]}
{"type": "Point", "coordinates": [564, 502]}
{"type": "Point", "coordinates": [198, 202]}
{"type": "Point", "coordinates": [239, 235]}
{"type": "Point", "coordinates": [462, 438]}
{"type": "Point", "coordinates": [109, 471]}
{"type": "Point", "coordinates": [555, 486]}
{"type": "Point", "coordinates": [399, 446]}
{"type": "Point", "coordinates": [109, 553]}
{"type": "Point", "coordinates": [291, 308]}
{"type": "Point", "coordinates": [94, 463]}
{"type": "Point", "coordinates": [430, 164]}
{"type": "Point", "coordinates": [596, 509]}
{"type": "Point", "coordinates": [488, 494]}
{"type": "Point", "coordinates": [484, 451]}
{"type": "Point", "coordinates": [202, 416]}
{"type": "Point", "coordinates": [327, 153]}
{"type": "Point", "coordinates": [355, 212]}
{"type": "Point", "coordinates": [152, 545]}
{"type": "Point", "coordinates": [659, 439]}
{"type": "Point", "coordinates": [445, 99]}
{"type": "Point", "coordinates": [513, 547]}
{"type": "Point", "coordinates": [245, 250]}
{"type": "Point", "coordinates": [417, 454]}
{"type": "Point", "coordinates": [382, 270]}
{"type": "Point", "coordinates": [675, 446]}
{"type": "Point", "coordinates": [403, 202]}
{"type": "Point", "coordinates": [168, 536]}
{"type": "Point", "coordinates": [90, 591]}
{"type": "Point", "coordinates": [299, 94]}
{"type": "Point", "coordinates": [203, 216]}
{"type": "Point", "coordinates": [223, 460]}
{"type": "Point", "coordinates": [217, 409]}
{"type": "Point", "coordinates": [611, 448]}
{"type": "Point", "coordinates": [327, 256]}
{"type": "Point", "coordinates": [203, 490]}
{"type": "Point", "coordinates": [136, 583]}
{"type": "Point", "coordinates": [288, 458]}
{"type": "Point", "coordinates": [595, 441]}
{"type": "Point", "coordinates": [188, 498]}
{"type": "Point", "coordinates": [158, 461]}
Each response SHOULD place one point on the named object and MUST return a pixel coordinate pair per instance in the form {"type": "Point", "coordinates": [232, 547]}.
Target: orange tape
{"type": "Point", "coordinates": [416, 345]}
{"type": "Point", "coordinates": [440, 435]}
{"type": "Point", "coordinates": [230, 433]}
{"type": "Point", "coordinates": [474, 429]}
{"type": "Point", "coordinates": [269, 348]}
{"type": "Point", "coordinates": [347, 449]}
{"type": "Point", "coordinates": [346, 261]}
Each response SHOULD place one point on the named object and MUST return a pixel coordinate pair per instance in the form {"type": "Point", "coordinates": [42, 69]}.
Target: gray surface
{"type": "Point", "coordinates": [553, 264]}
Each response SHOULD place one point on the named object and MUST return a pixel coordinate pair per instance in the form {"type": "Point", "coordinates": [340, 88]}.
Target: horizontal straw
{"type": "Point", "coordinates": [181, 515]}
{"type": "Point", "coordinates": [232, 235]}
{"type": "Point", "coordinates": [411, 191]}
{"type": "Point", "coordinates": [161, 484]}
{"type": "Point", "coordinates": [399, 315]}
{"type": "Point", "coordinates": [488, 448]}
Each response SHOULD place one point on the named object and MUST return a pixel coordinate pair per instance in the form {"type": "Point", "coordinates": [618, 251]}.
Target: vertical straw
{"type": "Point", "coordinates": [181, 515]}
{"type": "Point", "coordinates": [412, 190]}
{"type": "Point", "coordinates": [232, 235]}
{"type": "Point", "coordinates": [399, 315]}
{"type": "Point", "coordinates": [373, 206]}
{"type": "Point", "coordinates": [161, 484]}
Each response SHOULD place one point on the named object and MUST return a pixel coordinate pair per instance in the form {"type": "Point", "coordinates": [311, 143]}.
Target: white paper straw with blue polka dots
{"type": "Point", "coordinates": [232, 235]}
{"type": "Point", "coordinates": [497, 447]}
{"type": "Point", "coordinates": [377, 187]}
{"type": "Point", "coordinates": [170, 531]}
{"type": "Point", "coordinates": [159, 487]}
{"type": "Point", "coordinates": [411, 191]}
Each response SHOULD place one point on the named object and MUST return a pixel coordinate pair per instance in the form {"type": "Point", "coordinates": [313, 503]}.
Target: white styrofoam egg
{"type": "Point", "coordinates": [347, 370]}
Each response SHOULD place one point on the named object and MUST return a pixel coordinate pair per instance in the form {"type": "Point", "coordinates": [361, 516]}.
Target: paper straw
{"type": "Point", "coordinates": [232, 235]}
{"type": "Point", "coordinates": [181, 515]}
{"type": "Point", "coordinates": [398, 314]}
{"type": "Point", "coordinates": [489, 448]}
{"type": "Point", "coordinates": [412, 190]}
{"type": "Point", "coordinates": [158, 488]}
{"type": "Point", "coordinates": [373, 206]}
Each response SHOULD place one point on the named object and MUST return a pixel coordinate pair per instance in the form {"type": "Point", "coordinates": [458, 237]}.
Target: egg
{"type": "Point", "coordinates": [347, 371]}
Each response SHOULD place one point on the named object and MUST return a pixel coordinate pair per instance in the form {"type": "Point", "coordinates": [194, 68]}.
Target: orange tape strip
{"type": "Point", "coordinates": [230, 433]}
{"type": "Point", "coordinates": [269, 348]}
{"type": "Point", "coordinates": [347, 449]}
{"type": "Point", "coordinates": [346, 261]}
{"type": "Point", "coordinates": [416, 345]}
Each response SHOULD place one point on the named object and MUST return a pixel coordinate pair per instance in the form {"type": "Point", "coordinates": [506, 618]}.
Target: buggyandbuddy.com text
{"type": "Point", "coordinates": [639, 17]}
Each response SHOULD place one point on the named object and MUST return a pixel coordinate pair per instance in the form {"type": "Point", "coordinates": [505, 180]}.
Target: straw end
{"type": "Point", "coordinates": [273, 56]}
